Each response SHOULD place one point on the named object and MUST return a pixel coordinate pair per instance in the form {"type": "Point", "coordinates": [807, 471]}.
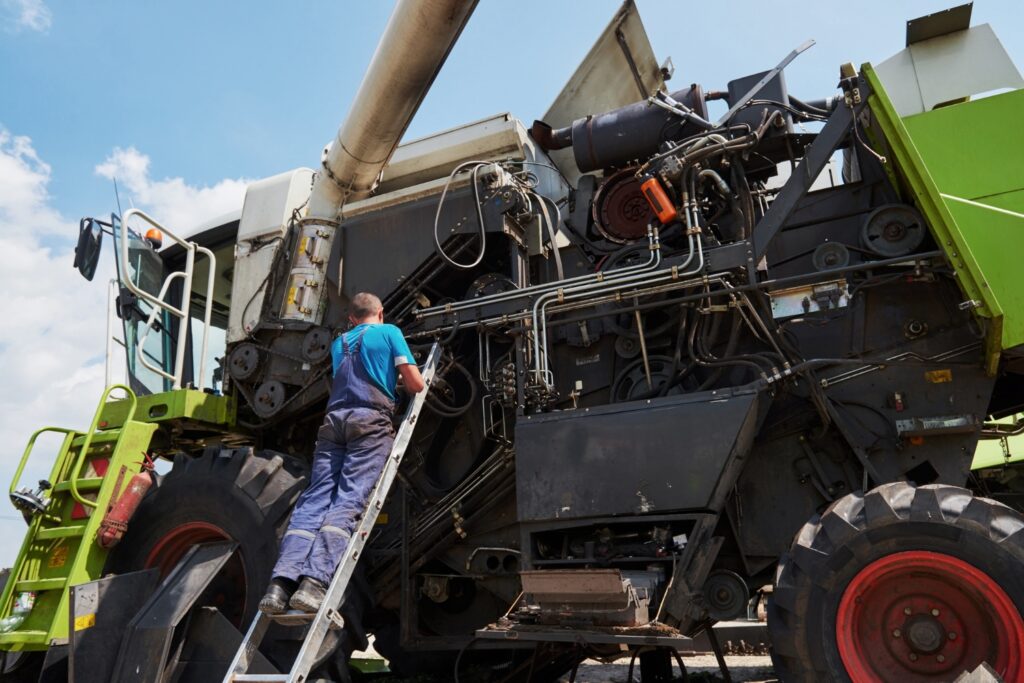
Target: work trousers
{"type": "Point", "coordinates": [352, 446]}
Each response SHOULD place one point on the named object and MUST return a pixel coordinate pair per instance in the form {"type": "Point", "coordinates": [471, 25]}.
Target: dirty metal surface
{"type": "Point", "coordinates": [629, 458]}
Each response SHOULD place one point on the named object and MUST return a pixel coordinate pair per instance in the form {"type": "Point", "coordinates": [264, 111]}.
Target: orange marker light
{"type": "Point", "coordinates": [155, 237]}
{"type": "Point", "coordinates": [659, 201]}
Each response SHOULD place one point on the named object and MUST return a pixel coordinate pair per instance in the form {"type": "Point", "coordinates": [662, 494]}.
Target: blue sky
{"type": "Point", "coordinates": [185, 100]}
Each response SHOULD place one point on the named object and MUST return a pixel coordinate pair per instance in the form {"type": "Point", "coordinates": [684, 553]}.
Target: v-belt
{"type": "Point", "coordinates": [329, 616]}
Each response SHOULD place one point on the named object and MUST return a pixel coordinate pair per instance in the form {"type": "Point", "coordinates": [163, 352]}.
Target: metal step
{"type": "Point", "coordinates": [296, 618]}
{"type": "Point", "coordinates": [61, 532]}
{"type": "Point", "coordinates": [327, 617]}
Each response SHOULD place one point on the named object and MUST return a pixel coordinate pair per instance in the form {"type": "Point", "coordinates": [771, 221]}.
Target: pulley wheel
{"type": "Point", "coordinates": [269, 398]}
{"type": "Point", "coordinates": [631, 382]}
{"type": "Point", "coordinates": [316, 345]}
{"type": "Point", "coordinates": [893, 230]}
{"type": "Point", "coordinates": [627, 347]}
{"type": "Point", "coordinates": [831, 255]}
{"type": "Point", "coordinates": [726, 594]}
{"type": "Point", "coordinates": [621, 213]}
{"type": "Point", "coordinates": [243, 361]}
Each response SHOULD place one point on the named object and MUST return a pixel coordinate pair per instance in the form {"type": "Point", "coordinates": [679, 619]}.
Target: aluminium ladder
{"type": "Point", "coordinates": [328, 616]}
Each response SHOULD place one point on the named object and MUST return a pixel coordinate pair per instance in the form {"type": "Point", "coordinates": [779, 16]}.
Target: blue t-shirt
{"type": "Point", "coordinates": [382, 349]}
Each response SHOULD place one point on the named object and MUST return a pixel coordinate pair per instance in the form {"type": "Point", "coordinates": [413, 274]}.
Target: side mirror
{"type": "Point", "coordinates": [87, 251]}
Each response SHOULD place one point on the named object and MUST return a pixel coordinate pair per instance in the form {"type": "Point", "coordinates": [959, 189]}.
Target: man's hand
{"type": "Point", "coordinates": [410, 378]}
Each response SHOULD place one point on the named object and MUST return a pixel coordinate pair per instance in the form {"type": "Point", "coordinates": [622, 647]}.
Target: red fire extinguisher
{"type": "Point", "coordinates": [115, 522]}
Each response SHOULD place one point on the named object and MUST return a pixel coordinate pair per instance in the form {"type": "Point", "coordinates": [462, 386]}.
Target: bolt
{"type": "Point", "coordinates": [906, 610]}
{"type": "Point", "coordinates": [952, 636]}
{"type": "Point", "coordinates": [935, 612]}
{"type": "Point", "coordinates": [941, 659]}
{"type": "Point", "coordinates": [896, 633]}
{"type": "Point", "coordinates": [913, 657]}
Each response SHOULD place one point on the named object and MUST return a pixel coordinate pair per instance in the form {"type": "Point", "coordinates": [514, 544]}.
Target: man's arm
{"type": "Point", "coordinates": [412, 380]}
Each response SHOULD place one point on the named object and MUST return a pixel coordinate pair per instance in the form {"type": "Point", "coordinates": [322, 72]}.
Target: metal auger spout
{"type": "Point", "coordinates": [416, 42]}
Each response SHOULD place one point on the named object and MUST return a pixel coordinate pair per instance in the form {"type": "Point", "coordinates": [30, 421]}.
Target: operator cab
{"type": "Point", "coordinates": [152, 268]}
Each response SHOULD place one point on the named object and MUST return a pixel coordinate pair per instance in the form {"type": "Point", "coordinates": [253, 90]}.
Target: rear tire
{"type": "Point", "coordinates": [901, 584]}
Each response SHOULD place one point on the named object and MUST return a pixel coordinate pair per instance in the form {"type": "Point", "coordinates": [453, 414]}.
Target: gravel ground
{"type": "Point", "coordinates": [701, 668]}
{"type": "Point", "coordinates": [747, 668]}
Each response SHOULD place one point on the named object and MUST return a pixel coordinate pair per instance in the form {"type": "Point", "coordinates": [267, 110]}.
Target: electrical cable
{"type": "Point", "coordinates": [476, 166]}
{"type": "Point", "coordinates": [551, 231]}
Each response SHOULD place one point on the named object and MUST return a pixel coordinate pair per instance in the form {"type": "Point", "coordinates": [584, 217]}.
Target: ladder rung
{"type": "Point", "coordinates": [60, 532]}
{"type": "Point", "coordinates": [292, 618]}
{"type": "Point", "coordinates": [97, 438]}
{"type": "Point", "coordinates": [260, 678]}
{"type": "Point", "coordinates": [41, 584]}
{"type": "Point", "coordinates": [90, 484]}
{"type": "Point", "coordinates": [296, 618]}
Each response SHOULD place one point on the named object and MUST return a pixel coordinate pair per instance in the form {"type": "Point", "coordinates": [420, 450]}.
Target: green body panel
{"type": "Point", "coordinates": [955, 163]}
{"type": "Point", "coordinates": [59, 551]}
{"type": "Point", "coordinates": [182, 404]}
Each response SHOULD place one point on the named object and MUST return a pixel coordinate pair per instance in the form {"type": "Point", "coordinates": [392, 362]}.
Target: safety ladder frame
{"type": "Point", "coordinates": [328, 615]}
{"type": "Point", "coordinates": [159, 302]}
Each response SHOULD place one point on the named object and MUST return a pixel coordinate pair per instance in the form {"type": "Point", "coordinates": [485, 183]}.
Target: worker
{"type": "Point", "coordinates": [352, 446]}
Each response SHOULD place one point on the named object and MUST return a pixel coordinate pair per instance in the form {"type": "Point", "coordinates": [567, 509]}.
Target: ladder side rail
{"type": "Point", "coordinates": [76, 468]}
{"type": "Point", "coordinates": [211, 279]}
{"type": "Point", "coordinates": [250, 644]}
{"type": "Point", "coordinates": [335, 592]}
{"type": "Point", "coordinates": [69, 436]}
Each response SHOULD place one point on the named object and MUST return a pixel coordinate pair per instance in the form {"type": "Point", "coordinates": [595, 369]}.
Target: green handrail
{"type": "Point", "coordinates": [76, 468]}
{"type": "Point", "coordinates": [28, 451]}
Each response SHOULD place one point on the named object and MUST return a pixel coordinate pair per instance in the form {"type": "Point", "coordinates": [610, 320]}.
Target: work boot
{"type": "Point", "coordinates": [275, 601]}
{"type": "Point", "coordinates": [309, 596]}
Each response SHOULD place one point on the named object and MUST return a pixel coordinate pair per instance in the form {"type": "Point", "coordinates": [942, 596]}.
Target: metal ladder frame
{"type": "Point", "coordinates": [328, 615]}
{"type": "Point", "coordinates": [159, 302]}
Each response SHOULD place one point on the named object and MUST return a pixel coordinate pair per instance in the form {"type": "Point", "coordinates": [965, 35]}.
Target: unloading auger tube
{"type": "Point", "coordinates": [416, 42]}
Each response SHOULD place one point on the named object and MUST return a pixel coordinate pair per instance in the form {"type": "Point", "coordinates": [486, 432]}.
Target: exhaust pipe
{"type": "Point", "coordinates": [416, 42]}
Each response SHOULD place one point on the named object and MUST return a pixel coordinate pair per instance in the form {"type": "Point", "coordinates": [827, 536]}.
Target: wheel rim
{"type": "Point", "coordinates": [926, 616]}
{"type": "Point", "coordinates": [228, 591]}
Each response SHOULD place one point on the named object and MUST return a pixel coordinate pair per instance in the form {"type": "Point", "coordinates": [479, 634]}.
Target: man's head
{"type": "Point", "coordinates": [365, 308]}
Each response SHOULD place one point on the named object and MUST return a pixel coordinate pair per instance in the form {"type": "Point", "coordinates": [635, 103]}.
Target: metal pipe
{"type": "Point", "coordinates": [416, 42]}
{"type": "Point", "coordinates": [654, 246]}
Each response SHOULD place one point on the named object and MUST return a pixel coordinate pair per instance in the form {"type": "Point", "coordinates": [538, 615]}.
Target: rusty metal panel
{"type": "Point", "coordinates": [604, 586]}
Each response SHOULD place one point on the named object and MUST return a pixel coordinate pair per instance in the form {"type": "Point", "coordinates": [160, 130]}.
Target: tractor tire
{"type": "Point", "coordinates": [246, 496]}
{"type": "Point", "coordinates": [902, 584]}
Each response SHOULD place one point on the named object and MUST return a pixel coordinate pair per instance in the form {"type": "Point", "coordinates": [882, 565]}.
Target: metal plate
{"type": "Point", "coordinates": [628, 458]}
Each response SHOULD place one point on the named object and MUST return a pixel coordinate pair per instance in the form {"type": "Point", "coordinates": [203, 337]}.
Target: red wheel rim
{"type": "Point", "coordinates": [925, 616]}
{"type": "Point", "coordinates": [228, 591]}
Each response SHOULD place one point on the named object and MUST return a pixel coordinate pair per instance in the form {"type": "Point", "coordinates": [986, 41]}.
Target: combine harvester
{"type": "Point", "coordinates": [680, 356]}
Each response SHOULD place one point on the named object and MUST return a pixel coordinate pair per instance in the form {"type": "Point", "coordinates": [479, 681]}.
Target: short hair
{"type": "Point", "coordinates": [364, 304]}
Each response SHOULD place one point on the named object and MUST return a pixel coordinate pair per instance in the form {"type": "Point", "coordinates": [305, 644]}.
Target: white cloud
{"type": "Point", "coordinates": [33, 15]}
{"type": "Point", "coordinates": [53, 324]}
{"type": "Point", "coordinates": [171, 201]}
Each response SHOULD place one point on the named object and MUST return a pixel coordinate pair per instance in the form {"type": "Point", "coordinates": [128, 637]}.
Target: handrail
{"type": "Point", "coordinates": [76, 468]}
{"type": "Point", "coordinates": [159, 303]}
{"type": "Point", "coordinates": [28, 450]}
